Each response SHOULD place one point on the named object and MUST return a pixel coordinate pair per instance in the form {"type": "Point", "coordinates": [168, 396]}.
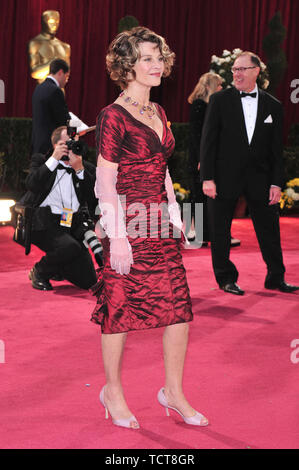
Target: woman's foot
{"type": "Point", "coordinates": [113, 400]}
{"type": "Point", "coordinates": [178, 402]}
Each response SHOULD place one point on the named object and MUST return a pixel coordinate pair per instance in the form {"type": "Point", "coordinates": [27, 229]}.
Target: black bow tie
{"type": "Point", "coordinates": [253, 95]}
{"type": "Point", "coordinates": [67, 169]}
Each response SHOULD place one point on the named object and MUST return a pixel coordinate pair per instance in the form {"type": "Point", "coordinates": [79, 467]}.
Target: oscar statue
{"type": "Point", "coordinates": [45, 47]}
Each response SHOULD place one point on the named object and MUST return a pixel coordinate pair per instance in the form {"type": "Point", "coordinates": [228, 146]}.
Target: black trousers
{"type": "Point", "coordinates": [265, 220]}
{"type": "Point", "coordinates": [64, 255]}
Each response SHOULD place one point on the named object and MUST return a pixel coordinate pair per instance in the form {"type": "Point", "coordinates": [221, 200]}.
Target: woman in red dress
{"type": "Point", "coordinates": [143, 282]}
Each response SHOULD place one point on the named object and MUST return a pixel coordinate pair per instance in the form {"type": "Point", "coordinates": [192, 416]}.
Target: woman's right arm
{"type": "Point", "coordinates": [110, 134]}
{"type": "Point", "coordinates": [112, 216]}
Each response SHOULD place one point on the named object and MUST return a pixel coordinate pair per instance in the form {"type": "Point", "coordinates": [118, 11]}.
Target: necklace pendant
{"type": "Point", "coordinates": [147, 110]}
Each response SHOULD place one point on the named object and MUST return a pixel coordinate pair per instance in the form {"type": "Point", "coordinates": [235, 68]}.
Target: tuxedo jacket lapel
{"type": "Point", "coordinates": [76, 186]}
{"type": "Point", "coordinates": [47, 189]}
{"type": "Point", "coordinates": [259, 116]}
{"type": "Point", "coordinates": [238, 112]}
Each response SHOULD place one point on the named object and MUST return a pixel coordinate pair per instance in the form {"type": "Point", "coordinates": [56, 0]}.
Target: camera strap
{"type": "Point", "coordinates": [57, 182]}
{"type": "Point", "coordinates": [67, 214]}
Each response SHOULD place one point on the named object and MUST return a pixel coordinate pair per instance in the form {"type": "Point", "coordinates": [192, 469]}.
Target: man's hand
{"type": "Point", "coordinates": [60, 150]}
{"type": "Point", "coordinates": [75, 161]}
{"type": "Point", "coordinates": [274, 195]}
{"type": "Point", "coordinates": [209, 188]}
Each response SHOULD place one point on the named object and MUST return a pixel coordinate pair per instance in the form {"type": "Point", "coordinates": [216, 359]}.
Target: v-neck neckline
{"type": "Point", "coordinates": [143, 124]}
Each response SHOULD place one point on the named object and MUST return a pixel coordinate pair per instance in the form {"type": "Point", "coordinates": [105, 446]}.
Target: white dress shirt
{"type": "Point", "coordinates": [62, 194]}
{"type": "Point", "coordinates": [249, 105]}
{"type": "Point", "coordinates": [54, 80]}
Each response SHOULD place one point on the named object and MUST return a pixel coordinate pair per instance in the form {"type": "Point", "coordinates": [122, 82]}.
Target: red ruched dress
{"type": "Point", "coordinates": [155, 292]}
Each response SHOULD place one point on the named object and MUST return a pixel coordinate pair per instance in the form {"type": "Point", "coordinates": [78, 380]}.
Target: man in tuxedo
{"type": "Point", "coordinates": [61, 191]}
{"type": "Point", "coordinates": [49, 109]}
{"type": "Point", "coordinates": [241, 153]}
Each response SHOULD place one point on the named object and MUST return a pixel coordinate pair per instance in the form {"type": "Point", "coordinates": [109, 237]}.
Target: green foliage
{"type": "Point", "coordinates": [276, 58]}
{"type": "Point", "coordinates": [91, 155]}
{"type": "Point", "coordinates": [15, 144]}
{"type": "Point", "coordinates": [291, 163]}
{"type": "Point", "coordinates": [179, 161]}
{"type": "Point", "coordinates": [126, 23]}
{"type": "Point", "coordinates": [293, 139]}
{"type": "Point", "coordinates": [291, 154]}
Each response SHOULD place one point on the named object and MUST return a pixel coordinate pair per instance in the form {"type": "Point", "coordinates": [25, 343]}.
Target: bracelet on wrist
{"type": "Point", "coordinates": [79, 171]}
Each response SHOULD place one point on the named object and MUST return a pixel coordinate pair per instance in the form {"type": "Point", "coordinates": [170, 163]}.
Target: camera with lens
{"type": "Point", "coordinates": [78, 147]}
{"type": "Point", "coordinates": [86, 233]}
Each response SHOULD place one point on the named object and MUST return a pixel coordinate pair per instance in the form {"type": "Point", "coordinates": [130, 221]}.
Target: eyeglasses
{"type": "Point", "coordinates": [242, 69]}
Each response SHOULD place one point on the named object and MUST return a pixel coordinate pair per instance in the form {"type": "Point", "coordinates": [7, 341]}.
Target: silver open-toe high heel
{"type": "Point", "coordinates": [125, 423]}
{"type": "Point", "coordinates": [197, 420]}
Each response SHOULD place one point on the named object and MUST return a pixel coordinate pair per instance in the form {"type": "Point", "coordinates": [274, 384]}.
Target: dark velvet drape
{"type": "Point", "coordinates": [194, 29]}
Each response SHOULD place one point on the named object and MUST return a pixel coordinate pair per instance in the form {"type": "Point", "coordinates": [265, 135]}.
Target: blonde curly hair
{"type": "Point", "coordinates": [123, 53]}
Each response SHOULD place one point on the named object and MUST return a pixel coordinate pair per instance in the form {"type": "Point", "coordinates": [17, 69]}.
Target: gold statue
{"type": "Point", "coordinates": [45, 47]}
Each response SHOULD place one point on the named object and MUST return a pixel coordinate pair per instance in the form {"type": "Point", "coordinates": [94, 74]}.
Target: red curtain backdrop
{"type": "Point", "coordinates": [194, 29]}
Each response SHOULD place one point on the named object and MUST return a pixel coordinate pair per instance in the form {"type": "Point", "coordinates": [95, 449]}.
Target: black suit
{"type": "Point", "coordinates": [238, 167]}
{"type": "Point", "coordinates": [65, 253]}
{"type": "Point", "coordinates": [49, 111]}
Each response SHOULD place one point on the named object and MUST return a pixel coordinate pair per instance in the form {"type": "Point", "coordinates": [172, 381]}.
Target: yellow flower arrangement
{"type": "Point", "coordinates": [180, 193]}
{"type": "Point", "coordinates": [290, 196]}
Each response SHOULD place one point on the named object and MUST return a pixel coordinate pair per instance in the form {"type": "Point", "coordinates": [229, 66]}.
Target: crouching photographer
{"type": "Point", "coordinates": [61, 192]}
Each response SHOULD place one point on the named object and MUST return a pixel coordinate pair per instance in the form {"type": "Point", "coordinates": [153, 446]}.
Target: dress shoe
{"type": "Point", "coordinates": [57, 277]}
{"type": "Point", "coordinates": [282, 286]}
{"type": "Point", "coordinates": [232, 288]}
{"type": "Point", "coordinates": [191, 235]}
{"type": "Point", "coordinates": [195, 244]}
{"type": "Point", "coordinates": [234, 242]}
{"type": "Point", "coordinates": [196, 420]}
{"type": "Point", "coordinates": [38, 282]}
{"type": "Point", "coordinates": [130, 423]}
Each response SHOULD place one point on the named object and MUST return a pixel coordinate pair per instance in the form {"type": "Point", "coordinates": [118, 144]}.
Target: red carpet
{"type": "Point", "coordinates": [239, 371]}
